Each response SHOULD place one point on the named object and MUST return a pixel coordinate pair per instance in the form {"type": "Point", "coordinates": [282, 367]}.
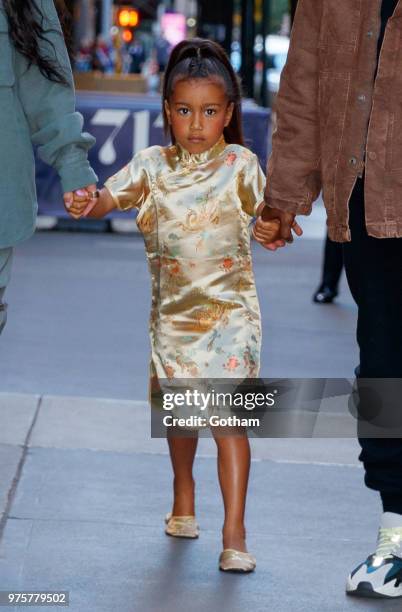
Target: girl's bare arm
{"type": "Point", "coordinates": [104, 205]}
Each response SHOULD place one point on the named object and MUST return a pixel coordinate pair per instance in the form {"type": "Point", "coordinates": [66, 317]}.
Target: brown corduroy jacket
{"type": "Point", "coordinates": [336, 119]}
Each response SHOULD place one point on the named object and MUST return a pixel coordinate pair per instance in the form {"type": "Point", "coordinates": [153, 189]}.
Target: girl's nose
{"type": "Point", "coordinates": [196, 123]}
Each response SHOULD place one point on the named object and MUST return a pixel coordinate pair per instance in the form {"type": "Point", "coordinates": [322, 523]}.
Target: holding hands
{"type": "Point", "coordinates": [273, 228]}
{"type": "Point", "coordinates": [80, 202]}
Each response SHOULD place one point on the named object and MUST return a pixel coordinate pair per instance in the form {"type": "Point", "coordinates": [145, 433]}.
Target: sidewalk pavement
{"type": "Point", "coordinates": [83, 492]}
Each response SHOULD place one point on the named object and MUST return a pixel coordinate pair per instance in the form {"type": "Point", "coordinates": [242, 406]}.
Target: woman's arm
{"type": "Point", "coordinates": [50, 108]}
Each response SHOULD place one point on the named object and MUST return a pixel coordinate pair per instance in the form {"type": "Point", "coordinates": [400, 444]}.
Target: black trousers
{"type": "Point", "coordinates": [332, 264]}
{"type": "Point", "coordinates": [373, 269]}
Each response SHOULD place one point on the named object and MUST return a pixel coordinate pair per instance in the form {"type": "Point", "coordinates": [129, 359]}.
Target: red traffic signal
{"type": "Point", "coordinates": [128, 17]}
{"type": "Point", "coordinates": [127, 35]}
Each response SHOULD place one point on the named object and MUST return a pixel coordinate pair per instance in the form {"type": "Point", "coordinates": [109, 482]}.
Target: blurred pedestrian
{"type": "Point", "coordinates": [162, 50]}
{"type": "Point", "coordinates": [137, 54]}
{"type": "Point", "coordinates": [196, 199]}
{"type": "Point", "coordinates": [339, 128]}
{"type": "Point", "coordinates": [83, 58]}
{"type": "Point", "coordinates": [36, 108]}
{"type": "Point", "coordinates": [103, 56]}
{"type": "Point", "coordinates": [332, 267]}
{"type": "Point", "coordinates": [150, 72]}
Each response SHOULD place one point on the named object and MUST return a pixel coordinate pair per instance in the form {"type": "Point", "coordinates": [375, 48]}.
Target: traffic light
{"type": "Point", "coordinates": [127, 17]}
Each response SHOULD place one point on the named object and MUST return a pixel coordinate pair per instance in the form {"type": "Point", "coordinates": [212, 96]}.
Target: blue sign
{"type": "Point", "coordinates": [124, 125]}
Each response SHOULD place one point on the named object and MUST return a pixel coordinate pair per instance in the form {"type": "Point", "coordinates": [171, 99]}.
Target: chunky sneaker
{"type": "Point", "coordinates": [381, 574]}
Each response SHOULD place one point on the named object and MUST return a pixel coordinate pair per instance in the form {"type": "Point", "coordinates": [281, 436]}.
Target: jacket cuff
{"type": "Point", "coordinates": [296, 208]}
{"type": "Point", "coordinates": [77, 176]}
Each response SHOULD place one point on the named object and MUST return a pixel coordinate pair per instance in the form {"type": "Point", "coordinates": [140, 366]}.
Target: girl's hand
{"type": "Point", "coordinates": [90, 203]}
{"type": "Point", "coordinates": [270, 236]}
{"type": "Point", "coordinates": [287, 221]}
{"type": "Point", "coordinates": [80, 202]}
{"type": "Point", "coordinates": [267, 233]}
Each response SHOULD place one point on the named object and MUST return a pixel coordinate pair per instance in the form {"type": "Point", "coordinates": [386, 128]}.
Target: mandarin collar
{"type": "Point", "coordinates": [197, 158]}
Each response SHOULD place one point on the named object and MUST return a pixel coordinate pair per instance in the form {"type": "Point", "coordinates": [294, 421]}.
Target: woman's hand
{"type": "Point", "coordinates": [80, 202]}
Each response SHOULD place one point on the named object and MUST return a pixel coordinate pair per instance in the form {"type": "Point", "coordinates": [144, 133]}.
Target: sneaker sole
{"type": "Point", "coordinates": [365, 589]}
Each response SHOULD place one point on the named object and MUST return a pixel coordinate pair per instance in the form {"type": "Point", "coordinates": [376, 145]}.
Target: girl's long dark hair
{"type": "Point", "coordinates": [200, 58]}
{"type": "Point", "coordinates": [26, 30]}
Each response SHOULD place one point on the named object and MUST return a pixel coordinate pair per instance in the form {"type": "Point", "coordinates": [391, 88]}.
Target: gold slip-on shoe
{"type": "Point", "coordinates": [232, 560]}
{"type": "Point", "coordinates": [181, 526]}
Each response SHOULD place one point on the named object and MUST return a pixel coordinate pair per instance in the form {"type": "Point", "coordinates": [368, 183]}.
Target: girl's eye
{"type": "Point", "coordinates": [210, 112]}
{"type": "Point", "coordinates": [182, 111]}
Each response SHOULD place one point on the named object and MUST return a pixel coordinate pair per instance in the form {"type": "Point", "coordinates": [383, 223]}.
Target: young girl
{"type": "Point", "coordinates": [195, 201]}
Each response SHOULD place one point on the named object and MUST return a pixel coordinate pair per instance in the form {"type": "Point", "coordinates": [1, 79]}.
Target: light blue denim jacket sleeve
{"type": "Point", "coordinates": [49, 108]}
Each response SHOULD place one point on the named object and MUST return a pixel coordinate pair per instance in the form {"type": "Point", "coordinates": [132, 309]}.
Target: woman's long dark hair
{"type": "Point", "coordinates": [26, 30]}
{"type": "Point", "coordinates": [200, 58]}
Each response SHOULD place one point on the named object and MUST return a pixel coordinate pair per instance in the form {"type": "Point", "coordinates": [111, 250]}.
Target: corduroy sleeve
{"type": "Point", "coordinates": [293, 172]}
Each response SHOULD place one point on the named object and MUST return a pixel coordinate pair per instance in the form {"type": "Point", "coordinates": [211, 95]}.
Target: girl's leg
{"type": "Point", "coordinates": [233, 471]}
{"type": "Point", "coordinates": [182, 453]}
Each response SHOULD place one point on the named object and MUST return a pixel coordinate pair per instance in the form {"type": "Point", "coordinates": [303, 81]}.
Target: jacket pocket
{"type": "Point", "coordinates": [6, 64]}
{"type": "Point", "coordinates": [340, 24]}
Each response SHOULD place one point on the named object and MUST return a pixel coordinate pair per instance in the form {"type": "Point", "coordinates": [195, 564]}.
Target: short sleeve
{"type": "Point", "coordinates": [251, 186]}
{"type": "Point", "coordinates": [129, 187]}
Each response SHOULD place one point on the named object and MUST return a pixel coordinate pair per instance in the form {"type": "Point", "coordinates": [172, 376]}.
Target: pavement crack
{"type": "Point", "coordinates": [14, 484]}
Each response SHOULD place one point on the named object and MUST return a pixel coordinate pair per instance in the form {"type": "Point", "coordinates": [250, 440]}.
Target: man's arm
{"type": "Point", "coordinates": [293, 173]}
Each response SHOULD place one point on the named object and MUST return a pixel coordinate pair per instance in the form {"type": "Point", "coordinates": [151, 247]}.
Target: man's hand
{"type": "Point", "coordinates": [287, 224]}
{"type": "Point", "coordinates": [80, 202]}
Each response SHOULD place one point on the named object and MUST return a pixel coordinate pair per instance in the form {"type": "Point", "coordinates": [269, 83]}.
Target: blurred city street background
{"type": "Point", "coordinates": [83, 487]}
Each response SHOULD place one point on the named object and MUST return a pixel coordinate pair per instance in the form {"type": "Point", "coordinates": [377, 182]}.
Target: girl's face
{"type": "Point", "coordinates": [198, 111]}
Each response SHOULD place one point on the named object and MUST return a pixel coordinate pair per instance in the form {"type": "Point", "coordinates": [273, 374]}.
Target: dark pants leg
{"type": "Point", "coordinates": [332, 265]}
{"type": "Point", "coordinates": [374, 271]}
{"type": "Point", "coordinates": [5, 270]}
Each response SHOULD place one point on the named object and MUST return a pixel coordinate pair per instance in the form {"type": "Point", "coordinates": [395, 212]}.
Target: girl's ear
{"type": "Point", "coordinates": [229, 114]}
{"type": "Point", "coordinates": [167, 110]}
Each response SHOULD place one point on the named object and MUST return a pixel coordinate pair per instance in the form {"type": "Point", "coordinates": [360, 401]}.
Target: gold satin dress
{"type": "Point", "coordinates": [194, 211]}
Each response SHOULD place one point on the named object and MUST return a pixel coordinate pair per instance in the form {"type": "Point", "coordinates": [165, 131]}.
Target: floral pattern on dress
{"type": "Point", "coordinates": [147, 222]}
{"type": "Point", "coordinates": [230, 159]}
{"type": "Point", "coordinates": [195, 212]}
